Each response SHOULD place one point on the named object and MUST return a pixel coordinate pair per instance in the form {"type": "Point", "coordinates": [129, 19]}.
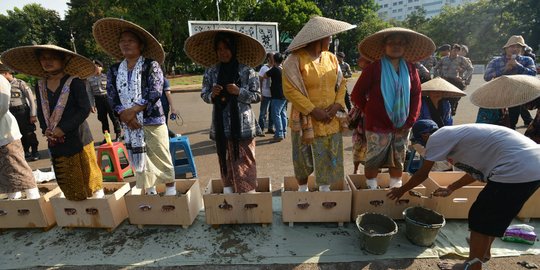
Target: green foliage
{"type": "Point", "coordinates": [32, 24]}
{"type": "Point", "coordinates": [291, 15]}
{"type": "Point", "coordinates": [484, 25]}
{"type": "Point", "coordinates": [359, 12]}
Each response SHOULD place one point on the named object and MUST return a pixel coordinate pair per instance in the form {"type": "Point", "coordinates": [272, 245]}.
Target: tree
{"type": "Point", "coordinates": [363, 13]}
{"type": "Point", "coordinates": [79, 19]}
{"type": "Point", "coordinates": [32, 24]}
{"type": "Point", "coordinates": [291, 15]}
{"type": "Point", "coordinates": [416, 20]}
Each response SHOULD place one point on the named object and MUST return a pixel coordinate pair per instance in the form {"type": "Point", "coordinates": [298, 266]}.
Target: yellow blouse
{"type": "Point", "coordinates": [320, 78]}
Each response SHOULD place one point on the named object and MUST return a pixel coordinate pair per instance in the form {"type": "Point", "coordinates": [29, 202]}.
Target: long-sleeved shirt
{"type": "Point", "coordinates": [454, 67]}
{"type": "Point", "coordinates": [73, 122]}
{"type": "Point", "coordinates": [495, 68]}
{"type": "Point", "coordinates": [320, 78]}
{"type": "Point", "coordinates": [152, 89]}
{"type": "Point", "coordinates": [249, 93]}
{"type": "Point", "coordinates": [9, 130]}
{"type": "Point", "coordinates": [368, 97]}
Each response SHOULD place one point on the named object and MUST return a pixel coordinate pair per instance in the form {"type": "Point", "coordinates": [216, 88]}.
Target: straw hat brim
{"type": "Point", "coordinates": [441, 85]}
{"type": "Point", "coordinates": [318, 28]}
{"type": "Point", "coordinates": [506, 91]}
{"type": "Point", "coordinates": [419, 45]}
{"type": "Point", "coordinates": [107, 32]}
{"type": "Point", "coordinates": [24, 59]}
{"type": "Point", "coordinates": [200, 48]}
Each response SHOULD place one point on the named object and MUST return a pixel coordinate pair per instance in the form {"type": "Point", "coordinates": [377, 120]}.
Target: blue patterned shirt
{"type": "Point", "coordinates": [151, 92]}
{"type": "Point", "coordinates": [495, 68]}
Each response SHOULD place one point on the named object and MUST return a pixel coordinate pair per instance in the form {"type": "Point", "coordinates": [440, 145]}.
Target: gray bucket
{"type": "Point", "coordinates": [422, 225]}
{"type": "Point", "coordinates": [376, 231]}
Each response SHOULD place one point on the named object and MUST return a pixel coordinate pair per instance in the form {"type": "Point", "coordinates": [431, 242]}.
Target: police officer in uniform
{"type": "Point", "coordinates": [97, 86]}
{"type": "Point", "coordinates": [23, 106]}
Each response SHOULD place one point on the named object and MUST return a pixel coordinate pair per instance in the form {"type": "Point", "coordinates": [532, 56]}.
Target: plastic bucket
{"type": "Point", "coordinates": [376, 231]}
{"type": "Point", "coordinates": [422, 225]}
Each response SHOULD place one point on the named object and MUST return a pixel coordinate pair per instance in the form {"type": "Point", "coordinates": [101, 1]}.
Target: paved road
{"type": "Point", "coordinates": [273, 159]}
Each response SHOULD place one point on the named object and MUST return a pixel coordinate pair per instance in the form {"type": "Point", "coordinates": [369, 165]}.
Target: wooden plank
{"type": "Point", "coordinates": [165, 210]}
{"type": "Point", "coordinates": [238, 208]}
{"type": "Point", "coordinates": [332, 206]}
{"type": "Point", "coordinates": [375, 201]}
{"type": "Point", "coordinates": [107, 212]}
{"type": "Point", "coordinates": [457, 205]}
{"type": "Point", "coordinates": [36, 213]}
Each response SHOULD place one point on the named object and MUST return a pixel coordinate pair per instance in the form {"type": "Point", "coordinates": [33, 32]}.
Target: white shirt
{"type": "Point", "coordinates": [265, 86]}
{"type": "Point", "coordinates": [487, 152]}
{"type": "Point", "coordinates": [9, 130]}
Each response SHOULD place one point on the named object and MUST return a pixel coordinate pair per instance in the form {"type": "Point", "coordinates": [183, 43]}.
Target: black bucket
{"type": "Point", "coordinates": [422, 225]}
{"type": "Point", "coordinates": [376, 231]}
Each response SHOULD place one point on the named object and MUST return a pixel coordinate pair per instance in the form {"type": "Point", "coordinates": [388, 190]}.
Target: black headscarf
{"type": "Point", "coordinates": [228, 74]}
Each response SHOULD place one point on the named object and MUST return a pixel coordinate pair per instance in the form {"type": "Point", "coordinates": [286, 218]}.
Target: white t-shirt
{"type": "Point", "coordinates": [265, 86]}
{"type": "Point", "coordinates": [487, 152]}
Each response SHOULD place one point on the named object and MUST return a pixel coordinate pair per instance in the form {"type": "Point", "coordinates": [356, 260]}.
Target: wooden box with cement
{"type": "Point", "coordinates": [107, 212]}
{"type": "Point", "coordinates": [238, 208]}
{"type": "Point", "coordinates": [365, 200]}
{"type": "Point", "coordinates": [531, 208]}
{"type": "Point", "coordinates": [181, 209]}
{"type": "Point", "coordinates": [457, 205]}
{"type": "Point", "coordinates": [25, 213]}
{"type": "Point", "coordinates": [331, 206]}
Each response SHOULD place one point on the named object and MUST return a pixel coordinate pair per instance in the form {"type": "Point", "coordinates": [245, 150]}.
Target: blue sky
{"type": "Point", "coordinates": [59, 5]}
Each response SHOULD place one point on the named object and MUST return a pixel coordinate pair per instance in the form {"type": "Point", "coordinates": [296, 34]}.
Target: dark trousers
{"type": "Point", "coordinates": [103, 109]}
{"type": "Point", "coordinates": [454, 101]}
{"type": "Point", "coordinates": [27, 129]}
{"type": "Point", "coordinates": [513, 114]}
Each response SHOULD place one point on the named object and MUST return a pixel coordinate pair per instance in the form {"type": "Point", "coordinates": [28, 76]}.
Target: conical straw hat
{"type": "Point", "coordinates": [24, 59]}
{"type": "Point", "coordinates": [441, 85]}
{"type": "Point", "coordinates": [200, 48]}
{"type": "Point", "coordinates": [419, 46]}
{"type": "Point", "coordinates": [318, 28]}
{"type": "Point", "coordinates": [506, 91]}
{"type": "Point", "coordinates": [107, 32]}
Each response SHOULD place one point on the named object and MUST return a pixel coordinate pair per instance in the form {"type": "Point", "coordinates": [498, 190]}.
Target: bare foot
{"type": "Point", "coordinates": [450, 265]}
{"type": "Point", "coordinates": [454, 265]}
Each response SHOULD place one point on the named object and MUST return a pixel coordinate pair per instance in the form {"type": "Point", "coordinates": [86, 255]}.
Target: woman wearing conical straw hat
{"type": "Point", "coordinates": [392, 85]}
{"type": "Point", "coordinates": [134, 87]}
{"type": "Point", "coordinates": [231, 86]}
{"type": "Point", "coordinates": [435, 104]}
{"type": "Point", "coordinates": [62, 108]}
{"type": "Point", "coordinates": [314, 84]}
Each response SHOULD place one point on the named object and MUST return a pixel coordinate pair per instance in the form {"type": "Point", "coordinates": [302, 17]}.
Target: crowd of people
{"type": "Point", "coordinates": [403, 86]}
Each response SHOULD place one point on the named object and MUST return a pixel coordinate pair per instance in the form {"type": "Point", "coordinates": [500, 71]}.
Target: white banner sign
{"type": "Point", "coordinates": [265, 32]}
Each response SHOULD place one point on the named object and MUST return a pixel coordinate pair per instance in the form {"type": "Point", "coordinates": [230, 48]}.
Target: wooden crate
{"type": "Point", "coordinates": [238, 208]}
{"type": "Point", "coordinates": [457, 205]}
{"type": "Point", "coordinates": [375, 201]}
{"type": "Point", "coordinates": [165, 210]}
{"type": "Point", "coordinates": [37, 213]}
{"type": "Point", "coordinates": [331, 206]}
{"type": "Point", "coordinates": [530, 209]}
{"type": "Point", "coordinates": [107, 212]}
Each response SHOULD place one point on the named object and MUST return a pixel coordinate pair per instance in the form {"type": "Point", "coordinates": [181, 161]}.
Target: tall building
{"type": "Point", "coordinates": [399, 9]}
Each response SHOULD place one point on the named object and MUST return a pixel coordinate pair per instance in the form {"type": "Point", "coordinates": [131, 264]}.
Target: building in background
{"type": "Point", "coordinates": [399, 9]}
